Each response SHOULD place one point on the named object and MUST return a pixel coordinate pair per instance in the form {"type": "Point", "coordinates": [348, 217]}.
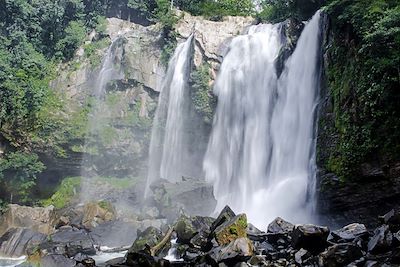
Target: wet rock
{"type": "Point", "coordinates": [17, 242]}
{"type": "Point", "coordinates": [310, 237]}
{"type": "Point", "coordinates": [396, 239]}
{"type": "Point", "coordinates": [340, 255]}
{"type": "Point", "coordinates": [230, 230]}
{"type": "Point", "coordinates": [381, 241]}
{"type": "Point", "coordinates": [201, 241]}
{"type": "Point", "coordinates": [140, 259]}
{"type": "Point", "coordinates": [372, 264]}
{"type": "Point", "coordinates": [89, 262]}
{"type": "Point", "coordinates": [56, 260]}
{"type": "Point", "coordinates": [349, 233]}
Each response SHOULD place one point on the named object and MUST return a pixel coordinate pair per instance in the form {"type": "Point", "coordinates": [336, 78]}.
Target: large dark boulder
{"type": "Point", "coordinates": [340, 255]}
{"type": "Point", "coordinates": [310, 237]}
{"type": "Point", "coordinates": [225, 215]}
{"type": "Point", "coordinates": [280, 226]}
{"type": "Point", "coordinates": [17, 242]}
{"type": "Point", "coordinates": [392, 218]}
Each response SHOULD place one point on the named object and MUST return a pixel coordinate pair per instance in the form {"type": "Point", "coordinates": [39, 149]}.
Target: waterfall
{"type": "Point", "coordinates": [111, 69]}
{"type": "Point", "coordinates": [260, 157]}
{"type": "Point", "coordinates": [167, 146]}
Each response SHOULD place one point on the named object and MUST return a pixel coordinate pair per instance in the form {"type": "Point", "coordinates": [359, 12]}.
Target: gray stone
{"type": "Point", "coordinates": [310, 237]}
{"type": "Point", "coordinates": [381, 241]}
{"type": "Point", "coordinates": [18, 241]}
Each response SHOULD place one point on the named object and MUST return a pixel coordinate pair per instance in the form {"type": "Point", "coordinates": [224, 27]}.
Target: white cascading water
{"type": "Point", "coordinates": [110, 70]}
{"type": "Point", "coordinates": [167, 149]}
{"type": "Point", "coordinates": [260, 156]}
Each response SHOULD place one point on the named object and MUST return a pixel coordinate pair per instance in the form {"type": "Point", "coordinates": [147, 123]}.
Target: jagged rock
{"type": "Point", "coordinates": [68, 241]}
{"type": "Point", "coordinates": [396, 239]}
{"type": "Point", "coordinates": [62, 221]}
{"type": "Point", "coordinates": [94, 214]}
{"type": "Point", "coordinates": [38, 219]}
{"type": "Point", "coordinates": [349, 232]}
{"type": "Point", "coordinates": [17, 241]}
{"type": "Point", "coordinates": [201, 241]}
{"type": "Point", "coordinates": [225, 215]}
{"type": "Point", "coordinates": [187, 227]}
{"type": "Point", "coordinates": [240, 249]}
{"type": "Point", "coordinates": [280, 226]}
{"type": "Point", "coordinates": [392, 218]}
{"type": "Point", "coordinates": [301, 256]}
{"type": "Point", "coordinates": [340, 255]}
{"type": "Point", "coordinates": [372, 264]}
{"type": "Point", "coordinates": [114, 234]}
{"type": "Point", "coordinates": [230, 230]}
{"type": "Point", "coordinates": [56, 260]}
{"type": "Point", "coordinates": [140, 259]}
{"type": "Point", "coordinates": [146, 239]}
{"type": "Point", "coordinates": [310, 237]}
{"type": "Point", "coordinates": [381, 241]}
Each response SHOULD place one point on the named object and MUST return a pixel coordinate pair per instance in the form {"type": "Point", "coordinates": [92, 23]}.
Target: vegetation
{"type": "Point", "coordinates": [18, 174]}
{"type": "Point", "coordinates": [65, 193]}
{"type": "Point", "coordinates": [364, 78]}
{"type": "Point", "coordinates": [203, 99]}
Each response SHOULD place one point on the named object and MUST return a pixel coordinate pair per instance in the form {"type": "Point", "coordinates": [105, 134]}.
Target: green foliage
{"type": "Point", "coordinates": [18, 172]}
{"type": "Point", "coordinates": [202, 97]}
{"type": "Point", "coordinates": [217, 9]}
{"type": "Point", "coordinates": [65, 193]}
{"type": "Point", "coordinates": [93, 49]}
{"type": "Point", "coordinates": [363, 75]}
{"type": "Point", "coordinates": [168, 48]}
{"type": "Point", "coordinates": [74, 35]}
{"type": "Point", "coordinates": [165, 15]}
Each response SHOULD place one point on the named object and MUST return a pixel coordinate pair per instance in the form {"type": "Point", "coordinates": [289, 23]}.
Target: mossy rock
{"type": "Point", "coordinates": [231, 230]}
{"type": "Point", "coordinates": [187, 227]}
{"type": "Point", "coordinates": [145, 240]}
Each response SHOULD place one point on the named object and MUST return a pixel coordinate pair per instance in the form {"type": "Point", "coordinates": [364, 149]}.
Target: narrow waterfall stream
{"type": "Point", "coordinates": [111, 69]}
{"type": "Point", "coordinates": [261, 153]}
{"type": "Point", "coordinates": [167, 147]}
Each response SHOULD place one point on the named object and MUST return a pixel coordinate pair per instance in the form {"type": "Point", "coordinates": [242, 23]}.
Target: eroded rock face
{"type": "Point", "coordinates": [17, 242]}
{"type": "Point", "coordinates": [38, 219]}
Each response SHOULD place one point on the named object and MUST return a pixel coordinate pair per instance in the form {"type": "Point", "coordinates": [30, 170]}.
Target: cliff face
{"type": "Point", "coordinates": [374, 187]}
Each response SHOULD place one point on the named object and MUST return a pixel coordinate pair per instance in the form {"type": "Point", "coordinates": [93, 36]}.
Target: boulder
{"type": "Point", "coordinates": [392, 218]}
{"type": "Point", "coordinates": [187, 227]}
{"type": "Point", "coordinates": [38, 219]}
{"type": "Point", "coordinates": [231, 230]}
{"type": "Point", "coordinates": [225, 215]}
{"type": "Point", "coordinates": [340, 255]}
{"type": "Point", "coordinates": [68, 241]}
{"type": "Point", "coordinates": [310, 237]}
{"type": "Point", "coordinates": [17, 241]}
{"type": "Point", "coordinates": [302, 256]}
{"type": "Point", "coordinates": [145, 240]}
{"type": "Point", "coordinates": [381, 241]}
{"type": "Point", "coordinates": [97, 213]}
{"type": "Point", "coordinates": [349, 233]}
{"type": "Point", "coordinates": [280, 226]}
{"type": "Point", "coordinates": [114, 234]}
{"type": "Point", "coordinates": [57, 260]}
{"type": "Point", "coordinates": [239, 250]}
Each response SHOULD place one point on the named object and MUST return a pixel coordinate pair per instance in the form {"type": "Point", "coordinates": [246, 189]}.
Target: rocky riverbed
{"type": "Point", "coordinates": [228, 240]}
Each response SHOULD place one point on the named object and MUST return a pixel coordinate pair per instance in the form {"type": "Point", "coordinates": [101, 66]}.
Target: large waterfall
{"type": "Point", "coordinates": [167, 148]}
{"type": "Point", "coordinates": [261, 153]}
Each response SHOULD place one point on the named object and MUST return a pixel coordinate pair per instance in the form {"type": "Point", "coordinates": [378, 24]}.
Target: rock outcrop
{"type": "Point", "coordinates": [36, 218]}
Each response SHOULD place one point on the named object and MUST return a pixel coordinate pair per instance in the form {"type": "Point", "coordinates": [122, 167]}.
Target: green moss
{"type": "Point", "coordinates": [65, 193]}
{"type": "Point", "coordinates": [93, 51]}
{"type": "Point", "coordinates": [202, 97]}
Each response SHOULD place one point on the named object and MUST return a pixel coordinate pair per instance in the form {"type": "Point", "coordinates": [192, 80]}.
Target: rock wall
{"type": "Point", "coordinates": [374, 191]}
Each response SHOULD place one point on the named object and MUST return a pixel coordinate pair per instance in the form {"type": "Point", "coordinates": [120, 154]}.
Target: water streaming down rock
{"type": "Point", "coordinates": [111, 69]}
{"type": "Point", "coordinates": [168, 151]}
{"type": "Point", "coordinates": [260, 156]}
